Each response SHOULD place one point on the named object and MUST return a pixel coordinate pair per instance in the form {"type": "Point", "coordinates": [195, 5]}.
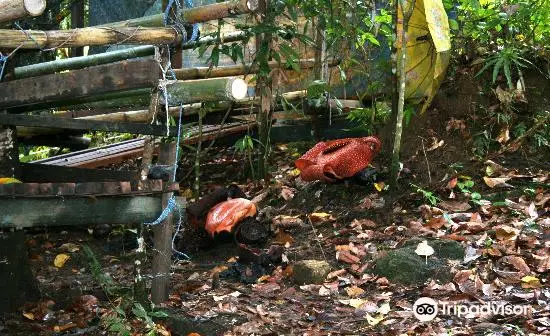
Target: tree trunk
{"type": "Point", "coordinates": [395, 167]}
{"type": "Point", "coordinates": [264, 88]}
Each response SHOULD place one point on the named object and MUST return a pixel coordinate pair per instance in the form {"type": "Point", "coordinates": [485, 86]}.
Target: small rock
{"type": "Point", "coordinates": [310, 271]}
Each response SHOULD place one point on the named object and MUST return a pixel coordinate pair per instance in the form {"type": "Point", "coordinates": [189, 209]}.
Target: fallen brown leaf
{"type": "Point", "coordinates": [455, 206]}
{"type": "Point", "coordinates": [436, 223]}
{"type": "Point", "coordinates": [354, 291]}
{"type": "Point", "coordinates": [318, 217]}
{"type": "Point", "coordinates": [347, 257]}
{"type": "Point", "coordinates": [495, 181]}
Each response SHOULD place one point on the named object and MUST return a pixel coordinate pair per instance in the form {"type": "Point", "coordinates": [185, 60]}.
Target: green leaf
{"type": "Point", "coordinates": [507, 73]}
{"type": "Point", "coordinates": [343, 76]}
{"type": "Point", "coordinates": [475, 196]}
{"type": "Point", "coordinates": [139, 311]}
{"type": "Point", "coordinates": [372, 39]}
{"type": "Point", "coordinates": [305, 39]}
{"type": "Point", "coordinates": [117, 327]}
{"type": "Point", "coordinates": [488, 63]}
{"type": "Point", "coordinates": [215, 56]}
{"type": "Point", "coordinates": [453, 24]}
{"type": "Point", "coordinates": [496, 69]}
{"type": "Point", "coordinates": [159, 313]}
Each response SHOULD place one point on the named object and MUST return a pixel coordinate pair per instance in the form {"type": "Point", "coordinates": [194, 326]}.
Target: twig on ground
{"type": "Point", "coordinates": [427, 162]}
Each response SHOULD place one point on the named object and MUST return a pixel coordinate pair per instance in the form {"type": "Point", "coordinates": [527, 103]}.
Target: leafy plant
{"type": "Point", "coordinates": [482, 143]}
{"type": "Point", "coordinates": [33, 153]}
{"type": "Point", "coordinates": [505, 60]}
{"type": "Point", "coordinates": [427, 195]}
{"type": "Point", "coordinates": [117, 318]}
{"type": "Point", "coordinates": [370, 118]}
{"type": "Point", "coordinates": [245, 145]}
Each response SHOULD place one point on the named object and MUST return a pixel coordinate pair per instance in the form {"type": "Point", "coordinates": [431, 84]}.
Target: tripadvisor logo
{"type": "Point", "coordinates": [426, 309]}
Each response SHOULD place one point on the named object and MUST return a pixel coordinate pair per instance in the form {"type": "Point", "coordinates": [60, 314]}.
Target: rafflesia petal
{"type": "Point", "coordinates": [337, 159]}
{"type": "Point", "coordinates": [225, 215]}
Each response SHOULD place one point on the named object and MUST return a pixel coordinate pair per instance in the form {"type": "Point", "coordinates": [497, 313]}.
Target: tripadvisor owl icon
{"type": "Point", "coordinates": [425, 309]}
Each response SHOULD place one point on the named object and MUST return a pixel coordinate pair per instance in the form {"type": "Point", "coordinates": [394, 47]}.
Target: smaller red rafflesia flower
{"type": "Point", "coordinates": [225, 215]}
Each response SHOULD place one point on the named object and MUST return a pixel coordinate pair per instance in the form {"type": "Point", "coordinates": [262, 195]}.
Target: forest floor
{"type": "Point", "coordinates": [488, 222]}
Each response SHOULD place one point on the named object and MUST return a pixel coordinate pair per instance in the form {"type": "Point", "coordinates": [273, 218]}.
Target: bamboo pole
{"type": "Point", "coordinates": [236, 70]}
{"type": "Point", "coordinates": [204, 90]}
{"type": "Point", "coordinates": [11, 10]}
{"type": "Point", "coordinates": [141, 116]}
{"type": "Point", "coordinates": [193, 15]}
{"type": "Point", "coordinates": [81, 62]}
{"type": "Point", "coordinates": [38, 39]}
{"type": "Point", "coordinates": [75, 63]}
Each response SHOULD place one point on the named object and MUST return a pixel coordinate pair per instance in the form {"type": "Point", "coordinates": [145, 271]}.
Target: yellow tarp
{"type": "Point", "coordinates": [428, 48]}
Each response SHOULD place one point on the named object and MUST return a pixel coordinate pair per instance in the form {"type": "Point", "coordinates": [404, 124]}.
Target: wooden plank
{"type": "Point", "coordinates": [70, 189]}
{"type": "Point", "coordinates": [125, 75]}
{"type": "Point", "coordinates": [35, 172]}
{"type": "Point", "coordinates": [81, 124]}
{"type": "Point", "coordinates": [78, 211]}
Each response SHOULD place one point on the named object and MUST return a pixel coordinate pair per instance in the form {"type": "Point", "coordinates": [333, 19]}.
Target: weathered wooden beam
{"type": "Point", "coordinates": [55, 140]}
{"type": "Point", "coordinates": [77, 189]}
{"type": "Point", "coordinates": [192, 15]}
{"type": "Point", "coordinates": [11, 10]}
{"type": "Point", "coordinates": [42, 173]}
{"type": "Point", "coordinates": [80, 124]}
{"type": "Point", "coordinates": [81, 62]}
{"type": "Point", "coordinates": [205, 90]}
{"type": "Point", "coordinates": [126, 75]}
{"type": "Point", "coordinates": [38, 39]}
{"type": "Point", "coordinates": [78, 211]}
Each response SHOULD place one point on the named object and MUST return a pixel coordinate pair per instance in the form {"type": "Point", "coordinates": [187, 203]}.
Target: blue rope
{"type": "Point", "coordinates": [188, 4]}
{"type": "Point", "coordinates": [3, 61]}
{"type": "Point", "coordinates": [172, 204]}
